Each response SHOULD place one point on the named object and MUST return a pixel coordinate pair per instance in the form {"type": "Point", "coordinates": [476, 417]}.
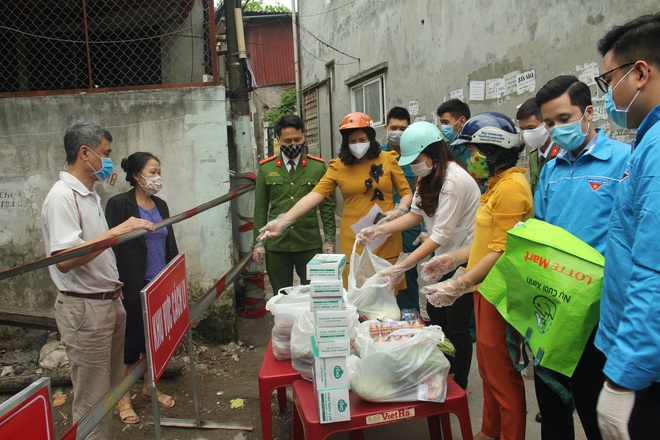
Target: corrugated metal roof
{"type": "Point", "coordinates": [270, 45]}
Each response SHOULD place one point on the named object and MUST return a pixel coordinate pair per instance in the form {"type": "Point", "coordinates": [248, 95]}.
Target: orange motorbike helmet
{"type": "Point", "coordinates": [358, 120]}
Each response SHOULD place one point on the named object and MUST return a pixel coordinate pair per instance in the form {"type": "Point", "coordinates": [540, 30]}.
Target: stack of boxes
{"type": "Point", "coordinates": [331, 344]}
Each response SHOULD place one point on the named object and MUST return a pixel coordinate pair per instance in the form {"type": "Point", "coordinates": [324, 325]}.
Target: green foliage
{"type": "Point", "coordinates": [258, 6]}
{"type": "Point", "coordinates": [287, 106]}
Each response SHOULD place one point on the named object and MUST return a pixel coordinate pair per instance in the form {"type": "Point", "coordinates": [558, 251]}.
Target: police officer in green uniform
{"type": "Point", "coordinates": [282, 180]}
{"type": "Point", "coordinates": [536, 136]}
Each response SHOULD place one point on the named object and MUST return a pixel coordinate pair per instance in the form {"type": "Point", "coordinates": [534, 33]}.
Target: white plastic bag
{"type": "Point", "coordinates": [372, 295]}
{"type": "Point", "coordinates": [285, 309]}
{"type": "Point", "coordinates": [408, 369]}
{"type": "Point", "coordinates": [304, 328]}
{"type": "Point", "coordinates": [301, 344]}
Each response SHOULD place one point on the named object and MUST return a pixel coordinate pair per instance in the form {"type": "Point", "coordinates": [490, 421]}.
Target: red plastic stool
{"type": "Point", "coordinates": [274, 375]}
{"type": "Point", "coordinates": [366, 414]}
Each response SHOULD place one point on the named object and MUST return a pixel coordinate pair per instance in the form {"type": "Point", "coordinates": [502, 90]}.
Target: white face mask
{"type": "Point", "coordinates": [153, 185]}
{"type": "Point", "coordinates": [360, 149]}
{"type": "Point", "coordinates": [420, 169]}
{"type": "Point", "coordinates": [536, 137]}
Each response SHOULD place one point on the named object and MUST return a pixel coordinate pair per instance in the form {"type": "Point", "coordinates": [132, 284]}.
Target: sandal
{"type": "Point", "coordinates": [164, 401]}
{"type": "Point", "coordinates": [127, 414]}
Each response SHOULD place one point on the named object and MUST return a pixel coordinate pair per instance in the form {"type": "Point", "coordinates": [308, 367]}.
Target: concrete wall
{"type": "Point", "coordinates": [186, 128]}
{"type": "Point", "coordinates": [433, 48]}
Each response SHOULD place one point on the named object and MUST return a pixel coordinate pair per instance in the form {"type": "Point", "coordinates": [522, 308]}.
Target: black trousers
{"type": "Point", "coordinates": [455, 323]}
{"type": "Point", "coordinates": [644, 420]}
{"type": "Point", "coordinates": [585, 384]}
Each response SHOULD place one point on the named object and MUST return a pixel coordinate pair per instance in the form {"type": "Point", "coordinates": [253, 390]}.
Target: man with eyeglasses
{"type": "Point", "coordinates": [575, 192]}
{"type": "Point", "coordinates": [629, 329]}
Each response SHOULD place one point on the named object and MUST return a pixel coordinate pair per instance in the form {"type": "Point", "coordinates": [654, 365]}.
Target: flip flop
{"type": "Point", "coordinates": [163, 400]}
{"type": "Point", "coordinates": [126, 412]}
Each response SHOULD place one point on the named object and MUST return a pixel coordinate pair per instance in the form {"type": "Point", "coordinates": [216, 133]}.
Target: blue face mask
{"type": "Point", "coordinates": [569, 136]}
{"type": "Point", "coordinates": [619, 117]}
{"type": "Point", "coordinates": [448, 132]}
{"type": "Point", "coordinates": [106, 167]}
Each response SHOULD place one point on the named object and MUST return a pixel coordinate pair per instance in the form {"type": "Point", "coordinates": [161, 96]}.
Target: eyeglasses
{"type": "Point", "coordinates": [600, 80]}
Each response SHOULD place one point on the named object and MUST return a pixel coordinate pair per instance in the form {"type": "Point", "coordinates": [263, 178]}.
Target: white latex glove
{"type": "Point", "coordinates": [370, 233]}
{"type": "Point", "coordinates": [395, 213]}
{"type": "Point", "coordinates": [275, 227]}
{"type": "Point", "coordinates": [259, 253]}
{"type": "Point", "coordinates": [421, 238]}
{"type": "Point", "coordinates": [614, 408]}
{"type": "Point", "coordinates": [436, 267]}
{"type": "Point", "coordinates": [395, 273]}
{"type": "Point", "coordinates": [328, 248]}
{"type": "Point", "coordinates": [447, 292]}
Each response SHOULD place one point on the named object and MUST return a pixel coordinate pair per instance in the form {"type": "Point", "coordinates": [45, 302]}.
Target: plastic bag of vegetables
{"type": "Point", "coordinates": [408, 369]}
{"type": "Point", "coordinates": [371, 294]}
{"type": "Point", "coordinates": [286, 307]}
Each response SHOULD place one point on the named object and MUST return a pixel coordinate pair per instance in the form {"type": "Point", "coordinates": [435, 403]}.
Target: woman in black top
{"type": "Point", "coordinates": [140, 260]}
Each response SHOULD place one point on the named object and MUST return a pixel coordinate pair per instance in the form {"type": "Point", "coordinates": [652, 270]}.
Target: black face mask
{"type": "Point", "coordinates": [292, 151]}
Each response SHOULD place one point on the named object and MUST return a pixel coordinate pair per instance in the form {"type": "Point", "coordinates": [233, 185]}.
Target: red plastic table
{"type": "Point", "coordinates": [366, 414]}
{"type": "Point", "coordinates": [274, 375]}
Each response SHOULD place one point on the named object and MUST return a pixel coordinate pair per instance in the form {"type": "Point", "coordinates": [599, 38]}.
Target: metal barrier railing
{"type": "Point", "coordinates": [104, 244]}
{"type": "Point", "coordinates": [86, 424]}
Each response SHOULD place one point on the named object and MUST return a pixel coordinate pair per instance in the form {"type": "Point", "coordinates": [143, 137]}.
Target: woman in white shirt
{"type": "Point", "coordinates": [446, 200]}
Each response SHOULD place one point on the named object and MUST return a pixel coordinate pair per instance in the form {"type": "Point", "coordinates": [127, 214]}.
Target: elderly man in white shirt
{"type": "Point", "coordinates": [88, 310]}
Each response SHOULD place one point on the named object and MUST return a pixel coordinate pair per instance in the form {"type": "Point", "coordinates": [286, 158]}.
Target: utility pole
{"type": "Point", "coordinates": [242, 157]}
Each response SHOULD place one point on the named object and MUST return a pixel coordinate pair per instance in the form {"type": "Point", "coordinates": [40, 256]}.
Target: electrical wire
{"type": "Point", "coordinates": [326, 44]}
{"type": "Point", "coordinates": [328, 11]}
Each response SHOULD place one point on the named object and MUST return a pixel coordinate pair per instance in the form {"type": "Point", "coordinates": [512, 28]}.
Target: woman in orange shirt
{"type": "Point", "coordinates": [507, 201]}
{"type": "Point", "coordinates": [365, 176]}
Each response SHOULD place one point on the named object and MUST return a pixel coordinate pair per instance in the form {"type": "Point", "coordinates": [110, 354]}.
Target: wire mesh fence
{"type": "Point", "coordinates": [51, 45]}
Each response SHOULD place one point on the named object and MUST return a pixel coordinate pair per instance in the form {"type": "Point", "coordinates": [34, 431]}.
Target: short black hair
{"type": "Point", "coordinates": [83, 133]}
{"type": "Point", "coordinates": [636, 40]}
{"type": "Point", "coordinates": [135, 163]}
{"type": "Point", "coordinates": [455, 107]}
{"type": "Point", "coordinates": [397, 113]}
{"type": "Point", "coordinates": [289, 121]}
{"type": "Point", "coordinates": [578, 92]}
{"type": "Point", "coordinates": [528, 109]}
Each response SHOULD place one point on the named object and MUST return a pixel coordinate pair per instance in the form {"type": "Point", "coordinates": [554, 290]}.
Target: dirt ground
{"type": "Point", "coordinates": [227, 372]}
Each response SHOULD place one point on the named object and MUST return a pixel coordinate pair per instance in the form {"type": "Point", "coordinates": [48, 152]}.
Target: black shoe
{"type": "Point", "coordinates": [538, 418]}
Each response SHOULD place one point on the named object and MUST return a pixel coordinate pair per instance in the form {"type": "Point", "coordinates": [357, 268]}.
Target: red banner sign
{"type": "Point", "coordinates": [27, 414]}
{"type": "Point", "coordinates": [165, 299]}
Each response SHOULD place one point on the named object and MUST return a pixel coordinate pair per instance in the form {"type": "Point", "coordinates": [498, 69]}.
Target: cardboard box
{"type": "Point", "coordinates": [334, 405]}
{"type": "Point", "coordinates": [329, 373]}
{"type": "Point", "coordinates": [327, 333]}
{"type": "Point", "coordinates": [332, 348]}
{"type": "Point", "coordinates": [331, 318]}
{"type": "Point", "coordinates": [326, 303]}
{"type": "Point", "coordinates": [326, 267]}
{"type": "Point", "coordinates": [326, 288]}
